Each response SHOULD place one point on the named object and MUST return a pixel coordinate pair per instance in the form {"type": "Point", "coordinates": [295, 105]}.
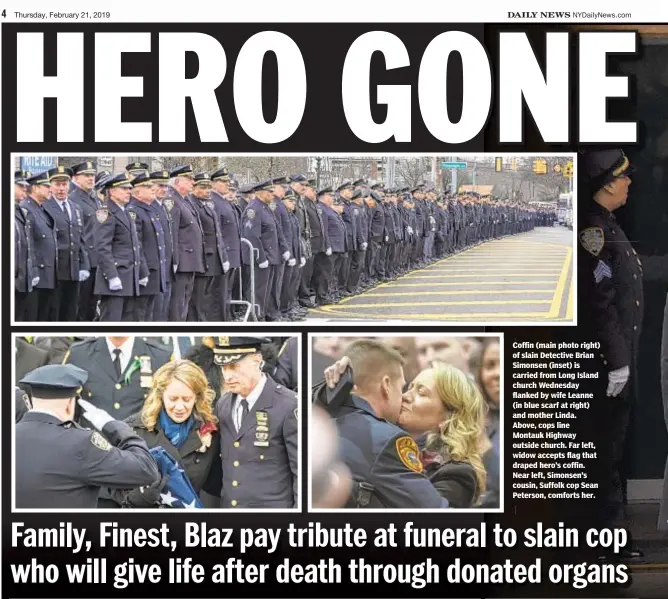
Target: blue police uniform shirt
{"type": "Point", "coordinates": [379, 453]}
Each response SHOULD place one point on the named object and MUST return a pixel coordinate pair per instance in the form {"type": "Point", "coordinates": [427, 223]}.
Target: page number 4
{"type": "Point", "coordinates": [4, 12]}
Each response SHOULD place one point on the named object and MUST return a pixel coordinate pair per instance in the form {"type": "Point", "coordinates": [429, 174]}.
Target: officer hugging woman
{"type": "Point", "coordinates": [396, 430]}
{"type": "Point", "coordinates": [157, 422]}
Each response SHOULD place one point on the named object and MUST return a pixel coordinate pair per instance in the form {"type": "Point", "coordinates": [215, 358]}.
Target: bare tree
{"type": "Point", "coordinates": [258, 168]}
{"type": "Point", "coordinates": [410, 170]}
{"type": "Point", "coordinates": [198, 163]}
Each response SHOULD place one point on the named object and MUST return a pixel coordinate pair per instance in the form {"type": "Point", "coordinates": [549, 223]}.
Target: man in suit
{"type": "Point", "coordinates": [73, 264]}
{"type": "Point", "coordinates": [258, 430]}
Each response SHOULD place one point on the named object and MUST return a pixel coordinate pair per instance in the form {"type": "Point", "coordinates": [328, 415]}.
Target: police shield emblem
{"type": "Point", "coordinates": [100, 442]}
{"type": "Point", "coordinates": [133, 216]}
{"type": "Point", "coordinates": [224, 341]}
{"type": "Point", "coordinates": [250, 213]}
{"type": "Point", "coordinates": [409, 453]}
{"type": "Point", "coordinates": [272, 206]}
{"type": "Point", "coordinates": [102, 215]}
{"type": "Point", "coordinates": [592, 240]}
{"type": "Point", "coordinates": [169, 204]}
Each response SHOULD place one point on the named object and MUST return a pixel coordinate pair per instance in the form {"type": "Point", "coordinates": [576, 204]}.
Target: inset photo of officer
{"type": "Point", "coordinates": [406, 422]}
{"type": "Point", "coordinates": [157, 422]}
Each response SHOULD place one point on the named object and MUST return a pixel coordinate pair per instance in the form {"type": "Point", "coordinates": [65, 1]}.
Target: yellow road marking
{"type": "Point", "coordinates": [561, 285]}
{"type": "Point", "coordinates": [497, 270]}
{"type": "Point", "coordinates": [471, 303]}
{"type": "Point", "coordinates": [421, 276]}
{"type": "Point", "coordinates": [569, 305]}
{"type": "Point", "coordinates": [458, 284]}
{"type": "Point", "coordinates": [492, 316]}
{"type": "Point", "coordinates": [464, 292]}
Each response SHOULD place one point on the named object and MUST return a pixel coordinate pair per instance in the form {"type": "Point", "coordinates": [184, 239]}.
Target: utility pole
{"type": "Point", "coordinates": [318, 160]}
{"type": "Point", "coordinates": [453, 175]}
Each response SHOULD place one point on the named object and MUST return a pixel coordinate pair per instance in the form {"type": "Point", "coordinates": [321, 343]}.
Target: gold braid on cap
{"type": "Point", "coordinates": [621, 168]}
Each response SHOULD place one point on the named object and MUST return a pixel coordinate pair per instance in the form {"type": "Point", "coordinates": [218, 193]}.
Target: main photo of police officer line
{"type": "Point", "coordinates": [176, 239]}
{"type": "Point", "coordinates": [130, 422]}
{"type": "Point", "coordinates": [406, 422]}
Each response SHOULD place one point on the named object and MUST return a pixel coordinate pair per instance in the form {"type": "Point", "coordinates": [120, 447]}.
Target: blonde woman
{"type": "Point", "coordinates": [177, 416]}
{"type": "Point", "coordinates": [445, 410]}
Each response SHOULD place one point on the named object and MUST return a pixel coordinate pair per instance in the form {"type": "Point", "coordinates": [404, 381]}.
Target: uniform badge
{"type": "Point", "coordinates": [133, 215]}
{"type": "Point", "coordinates": [100, 442]}
{"type": "Point", "coordinates": [592, 240]}
{"type": "Point", "coordinates": [224, 341]}
{"type": "Point", "coordinates": [25, 212]}
{"type": "Point", "coordinates": [602, 271]}
{"type": "Point", "coordinates": [209, 205]}
{"type": "Point", "coordinates": [145, 372]}
{"type": "Point", "coordinates": [409, 454]}
{"type": "Point", "coordinates": [356, 211]}
{"type": "Point", "coordinates": [169, 203]}
{"type": "Point", "coordinates": [102, 215]}
{"type": "Point", "coordinates": [250, 213]}
{"type": "Point", "coordinates": [261, 429]}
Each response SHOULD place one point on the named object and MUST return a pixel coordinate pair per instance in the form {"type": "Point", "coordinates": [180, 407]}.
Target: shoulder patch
{"type": "Point", "coordinates": [592, 240]}
{"type": "Point", "coordinates": [102, 215]}
{"type": "Point", "coordinates": [100, 442]}
{"type": "Point", "coordinates": [250, 213]}
{"type": "Point", "coordinates": [409, 453]}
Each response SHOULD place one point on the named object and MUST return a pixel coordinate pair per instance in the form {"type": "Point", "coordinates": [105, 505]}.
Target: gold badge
{"type": "Point", "coordinates": [102, 215]}
{"type": "Point", "coordinates": [100, 442]}
{"type": "Point", "coordinates": [409, 454]}
{"type": "Point", "coordinates": [250, 213]}
{"type": "Point", "coordinates": [592, 240]}
{"type": "Point", "coordinates": [133, 216]}
{"type": "Point", "coordinates": [224, 341]}
{"type": "Point", "coordinates": [169, 203]}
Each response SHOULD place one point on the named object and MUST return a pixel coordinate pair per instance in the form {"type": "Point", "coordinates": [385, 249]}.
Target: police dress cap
{"type": "Point", "coordinates": [55, 381]}
{"type": "Point", "coordinates": [230, 350]}
{"type": "Point", "coordinates": [118, 180]}
{"type": "Point", "coordinates": [603, 166]}
{"type": "Point", "coordinates": [378, 186]}
{"type": "Point", "coordinates": [375, 196]}
{"type": "Point", "coordinates": [185, 170]}
{"type": "Point", "coordinates": [359, 182]}
{"type": "Point", "coordinates": [248, 188]}
{"type": "Point", "coordinates": [234, 184]}
{"type": "Point", "coordinates": [160, 177]}
{"type": "Point", "coordinates": [60, 172]}
{"type": "Point", "coordinates": [356, 194]}
{"type": "Point", "coordinates": [220, 175]}
{"type": "Point", "coordinates": [39, 179]}
{"type": "Point", "coordinates": [263, 186]}
{"type": "Point", "coordinates": [20, 175]}
{"type": "Point", "coordinates": [343, 186]}
{"type": "Point", "coordinates": [297, 178]}
{"type": "Point", "coordinates": [202, 178]}
{"type": "Point", "coordinates": [279, 180]}
{"type": "Point", "coordinates": [137, 166]}
{"type": "Point", "coordinates": [325, 191]}
{"type": "Point", "coordinates": [290, 195]}
{"type": "Point", "coordinates": [85, 168]}
{"type": "Point", "coordinates": [142, 179]}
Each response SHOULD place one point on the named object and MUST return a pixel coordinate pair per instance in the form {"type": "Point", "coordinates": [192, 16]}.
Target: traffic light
{"type": "Point", "coordinates": [540, 166]}
{"type": "Point", "coordinates": [568, 169]}
{"type": "Point", "coordinates": [498, 164]}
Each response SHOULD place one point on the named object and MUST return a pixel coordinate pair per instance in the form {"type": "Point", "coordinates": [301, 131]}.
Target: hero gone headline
{"type": "Point", "coordinates": [233, 570]}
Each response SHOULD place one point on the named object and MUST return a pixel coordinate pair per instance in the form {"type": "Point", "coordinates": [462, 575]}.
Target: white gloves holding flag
{"type": "Point", "coordinates": [617, 380]}
{"type": "Point", "coordinates": [96, 416]}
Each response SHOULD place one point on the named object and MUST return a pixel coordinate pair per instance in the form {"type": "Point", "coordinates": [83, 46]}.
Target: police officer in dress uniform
{"type": "Point", "coordinates": [323, 265]}
{"type": "Point", "coordinates": [258, 429]}
{"type": "Point", "coordinates": [152, 239]}
{"type": "Point", "coordinates": [122, 268]}
{"type": "Point", "coordinates": [298, 184]}
{"type": "Point", "coordinates": [188, 243]}
{"type": "Point", "coordinates": [286, 372]}
{"type": "Point", "coordinates": [210, 289]}
{"type": "Point", "coordinates": [230, 229]}
{"type": "Point", "coordinates": [319, 245]}
{"type": "Point", "coordinates": [293, 267]}
{"type": "Point", "coordinates": [259, 227]}
{"type": "Point", "coordinates": [42, 300]}
{"type": "Point", "coordinates": [82, 193]}
{"type": "Point", "coordinates": [73, 264]}
{"type": "Point", "coordinates": [611, 279]}
{"type": "Point", "coordinates": [356, 215]}
{"type": "Point", "coordinates": [25, 270]}
{"type": "Point", "coordinates": [61, 465]}
{"type": "Point", "coordinates": [160, 180]}
{"type": "Point", "coordinates": [136, 168]}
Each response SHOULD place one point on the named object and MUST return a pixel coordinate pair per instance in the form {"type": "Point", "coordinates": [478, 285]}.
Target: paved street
{"type": "Point", "coordinates": [523, 278]}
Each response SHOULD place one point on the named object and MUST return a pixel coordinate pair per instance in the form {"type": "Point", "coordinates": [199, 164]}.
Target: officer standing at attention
{"type": "Point", "coordinates": [188, 244]}
{"type": "Point", "coordinates": [210, 288]}
{"type": "Point", "coordinates": [612, 282]}
{"type": "Point", "coordinates": [61, 465]}
{"type": "Point", "coordinates": [259, 227]}
{"type": "Point", "coordinates": [73, 264]}
{"type": "Point", "coordinates": [160, 181]}
{"type": "Point", "coordinates": [383, 459]}
{"type": "Point", "coordinates": [293, 269]}
{"type": "Point", "coordinates": [42, 299]}
{"type": "Point", "coordinates": [153, 243]}
{"type": "Point", "coordinates": [122, 269]}
{"type": "Point", "coordinates": [258, 430]}
{"type": "Point", "coordinates": [83, 195]}
{"type": "Point", "coordinates": [25, 271]}
{"type": "Point", "coordinates": [323, 265]}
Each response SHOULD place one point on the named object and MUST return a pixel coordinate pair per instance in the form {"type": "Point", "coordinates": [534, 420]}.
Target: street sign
{"type": "Point", "coordinates": [38, 164]}
{"type": "Point", "coordinates": [453, 164]}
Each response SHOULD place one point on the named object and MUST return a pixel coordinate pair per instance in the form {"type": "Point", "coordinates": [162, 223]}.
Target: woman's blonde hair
{"type": "Point", "coordinates": [461, 437]}
{"type": "Point", "coordinates": [190, 375]}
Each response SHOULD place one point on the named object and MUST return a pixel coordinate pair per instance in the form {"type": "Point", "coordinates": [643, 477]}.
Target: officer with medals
{"type": "Point", "coordinates": [73, 265]}
{"type": "Point", "coordinates": [383, 459]}
{"type": "Point", "coordinates": [153, 242]}
{"type": "Point", "coordinates": [611, 281]}
{"type": "Point", "coordinates": [60, 465]}
{"type": "Point", "coordinates": [122, 269]}
{"type": "Point", "coordinates": [210, 288]}
{"type": "Point", "coordinates": [41, 302]}
{"type": "Point", "coordinates": [258, 428]}
{"type": "Point", "coordinates": [25, 271]}
{"type": "Point", "coordinates": [162, 207]}
{"type": "Point", "coordinates": [82, 194]}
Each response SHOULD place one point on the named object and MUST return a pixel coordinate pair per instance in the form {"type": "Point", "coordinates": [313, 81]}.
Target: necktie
{"type": "Point", "coordinates": [244, 412]}
{"type": "Point", "coordinates": [117, 363]}
{"type": "Point", "coordinates": [64, 207]}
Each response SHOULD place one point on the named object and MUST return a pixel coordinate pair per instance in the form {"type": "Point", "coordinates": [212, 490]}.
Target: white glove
{"type": "Point", "coordinates": [617, 380]}
{"type": "Point", "coordinates": [115, 284]}
{"type": "Point", "coordinates": [387, 237]}
{"type": "Point", "coordinates": [96, 416]}
{"type": "Point", "coordinates": [302, 261]}
{"type": "Point", "coordinates": [292, 261]}
{"type": "Point", "coordinates": [410, 230]}
{"type": "Point", "coordinates": [175, 267]}
{"type": "Point", "coordinates": [286, 256]}
{"type": "Point", "coordinates": [83, 275]}
{"type": "Point", "coordinates": [143, 282]}
{"type": "Point", "coordinates": [264, 264]}
{"type": "Point", "coordinates": [365, 245]}
{"type": "Point", "coordinates": [226, 266]}
{"type": "Point", "coordinates": [328, 252]}
{"type": "Point", "coordinates": [35, 281]}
